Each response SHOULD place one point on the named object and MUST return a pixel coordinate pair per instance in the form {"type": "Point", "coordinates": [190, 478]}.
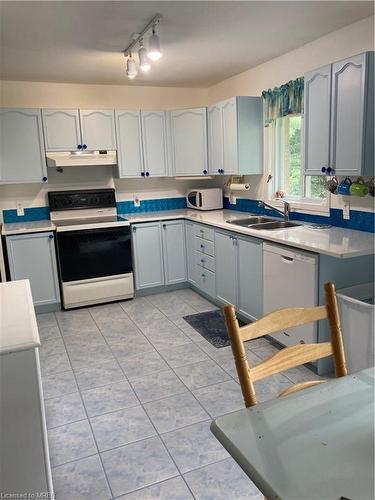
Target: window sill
{"type": "Point", "coordinates": [306, 207]}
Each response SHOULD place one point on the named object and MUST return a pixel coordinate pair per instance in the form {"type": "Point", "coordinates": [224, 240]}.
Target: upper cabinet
{"type": "Point", "coordinates": [129, 142]}
{"type": "Point", "coordinates": [71, 129]}
{"type": "Point", "coordinates": [339, 118]}
{"type": "Point", "coordinates": [154, 143]}
{"type": "Point", "coordinates": [235, 136]}
{"type": "Point", "coordinates": [22, 156]}
{"type": "Point", "coordinates": [62, 131]}
{"type": "Point", "coordinates": [189, 141]}
{"type": "Point", "coordinates": [141, 143]}
{"type": "Point", "coordinates": [98, 128]}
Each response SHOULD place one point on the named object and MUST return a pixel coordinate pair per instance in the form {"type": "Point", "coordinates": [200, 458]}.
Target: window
{"type": "Point", "coordinates": [286, 165]}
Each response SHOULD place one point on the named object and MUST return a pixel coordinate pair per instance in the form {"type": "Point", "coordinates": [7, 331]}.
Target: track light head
{"type": "Point", "coordinates": [154, 53]}
{"type": "Point", "coordinates": [144, 63]}
{"type": "Point", "coordinates": [131, 67]}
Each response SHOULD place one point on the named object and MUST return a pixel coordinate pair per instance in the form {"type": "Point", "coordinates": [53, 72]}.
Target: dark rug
{"type": "Point", "coordinates": [211, 325]}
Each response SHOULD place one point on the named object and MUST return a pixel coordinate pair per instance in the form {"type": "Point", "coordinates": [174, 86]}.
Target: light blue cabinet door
{"type": "Point", "coordinates": [250, 278]}
{"type": "Point", "coordinates": [348, 115]}
{"type": "Point", "coordinates": [62, 131]}
{"type": "Point", "coordinates": [317, 121]}
{"type": "Point", "coordinates": [215, 138]}
{"type": "Point", "coordinates": [230, 145]}
{"type": "Point", "coordinates": [33, 257]}
{"type": "Point", "coordinates": [22, 155]}
{"type": "Point", "coordinates": [129, 143]}
{"type": "Point", "coordinates": [189, 141]}
{"type": "Point", "coordinates": [190, 252]}
{"type": "Point", "coordinates": [148, 255]}
{"type": "Point", "coordinates": [154, 143]}
{"type": "Point", "coordinates": [226, 267]}
{"type": "Point", "coordinates": [174, 251]}
{"type": "Point", "coordinates": [98, 128]}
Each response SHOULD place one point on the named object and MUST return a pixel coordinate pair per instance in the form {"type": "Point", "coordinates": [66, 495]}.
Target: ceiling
{"type": "Point", "coordinates": [203, 42]}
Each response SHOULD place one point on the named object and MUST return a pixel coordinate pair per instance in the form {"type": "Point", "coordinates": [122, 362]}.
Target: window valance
{"type": "Point", "coordinates": [283, 101]}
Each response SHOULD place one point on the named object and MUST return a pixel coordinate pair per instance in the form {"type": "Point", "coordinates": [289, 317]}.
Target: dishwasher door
{"type": "Point", "coordinates": [290, 280]}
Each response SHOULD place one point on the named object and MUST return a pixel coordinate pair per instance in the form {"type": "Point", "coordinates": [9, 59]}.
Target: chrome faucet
{"type": "Point", "coordinates": [284, 213]}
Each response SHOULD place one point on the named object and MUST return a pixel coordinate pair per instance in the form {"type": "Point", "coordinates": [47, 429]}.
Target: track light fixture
{"type": "Point", "coordinates": [153, 52]}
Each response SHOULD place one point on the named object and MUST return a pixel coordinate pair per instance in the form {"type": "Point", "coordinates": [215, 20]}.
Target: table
{"type": "Point", "coordinates": [317, 444]}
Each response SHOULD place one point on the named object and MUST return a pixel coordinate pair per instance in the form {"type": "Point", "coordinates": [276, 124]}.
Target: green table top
{"type": "Point", "coordinates": [316, 444]}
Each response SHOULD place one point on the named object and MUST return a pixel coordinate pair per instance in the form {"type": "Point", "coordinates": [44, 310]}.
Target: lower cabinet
{"type": "Point", "coordinates": [159, 253]}
{"type": "Point", "coordinates": [33, 257]}
{"type": "Point", "coordinates": [239, 279]}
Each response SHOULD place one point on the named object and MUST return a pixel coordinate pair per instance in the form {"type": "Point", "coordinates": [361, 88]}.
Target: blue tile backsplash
{"type": "Point", "coordinates": [362, 221]}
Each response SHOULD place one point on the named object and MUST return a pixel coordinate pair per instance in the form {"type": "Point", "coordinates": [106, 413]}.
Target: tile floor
{"type": "Point", "coordinates": [130, 390]}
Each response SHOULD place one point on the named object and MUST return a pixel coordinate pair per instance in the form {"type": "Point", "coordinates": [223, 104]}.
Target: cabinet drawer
{"type": "Point", "coordinates": [206, 280]}
{"type": "Point", "coordinates": [205, 261]}
{"type": "Point", "coordinates": [204, 232]}
{"type": "Point", "coordinates": [204, 246]}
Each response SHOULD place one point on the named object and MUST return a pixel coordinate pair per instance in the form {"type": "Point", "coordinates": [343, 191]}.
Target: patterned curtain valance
{"type": "Point", "coordinates": [282, 101]}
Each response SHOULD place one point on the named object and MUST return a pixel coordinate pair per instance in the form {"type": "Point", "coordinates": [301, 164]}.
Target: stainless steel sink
{"type": "Point", "coordinates": [276, 225]}
{"type": "Point", "coordinates": [250, 221]}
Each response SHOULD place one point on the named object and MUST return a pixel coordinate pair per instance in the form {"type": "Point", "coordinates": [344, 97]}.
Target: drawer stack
{"type": "Point", "coordinates": [204, 258]}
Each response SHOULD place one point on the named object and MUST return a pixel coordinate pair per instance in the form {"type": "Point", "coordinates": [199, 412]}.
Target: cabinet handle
{"type": "Point", "coordinates": [202, 246]}
{"type": "Point", "coordinates": [50, 236]}
{"type": "Point", "coordinates": [202, 261]}
{"type": "Point", "coordinates": [205, 172]}
{"type": "Point", "coordinates": [147, 174]}
{"type": "Point", "coordinates": [142, 174]}
{"type": "Point", "coordinates": [329, 170]}
{"type": "Point", "coordinates": [203, 275]}
{"type": "Point", "coordinates": [134, 229]}
{"type": "Point", "coordinates": [79, 146]}
{"type": "Point", "coordinates": [45, 179]}
{"type": "Point", "coordinates": [84, 146]}
{"type": "Point", "coordinates": [164, 226]}
{"type": "Point", "coordinates": [324, 170]}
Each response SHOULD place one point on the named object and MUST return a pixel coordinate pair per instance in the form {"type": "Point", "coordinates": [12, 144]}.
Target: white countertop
{"type": "Point", "coordinates": [38, 226]}
{"type": "Point", "coordinates": [333, 241]}
{"type": "Point", "coordinates": [18, 327]}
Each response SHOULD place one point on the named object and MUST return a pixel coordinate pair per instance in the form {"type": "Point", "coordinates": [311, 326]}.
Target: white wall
{"type": "Point", "coordinates": [347, 41]}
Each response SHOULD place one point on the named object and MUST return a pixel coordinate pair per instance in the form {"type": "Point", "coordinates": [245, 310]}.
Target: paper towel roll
{"type": "Point", "coordinates": [239, 187]}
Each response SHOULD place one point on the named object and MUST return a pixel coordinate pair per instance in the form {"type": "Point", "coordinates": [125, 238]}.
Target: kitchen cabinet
{"type": "Point", "coordinates": [235, 136]}
{"type": "Point", "coordinates": [22, 156]}
{"type": "Point", "coordinates": [154, 143]}
{"type": "Point", "coordinates": [317, 120]}
{"type": "Point", "coordinates": [174, 251]}
{"type": "Point", "coordinates": [188, 130]}
{"type": "Point", "coordinates": [33, 257]}
{"type": "Point", "coordinates": [148, 255]}
{"type": "Point", "coordinates": [98, 128]}
{"type": "Point", "coordinates": [71, 129]}
{"type": "Point", "coordinates": [62, 129]}
{"type": "Point", "coordinates": [190, 252]}
{"type": "Point", "coordinates": [339, 118]}
{"type": "Point", "coordinates": [129, 143]}
{"type": "Point", "coordinates": [239, 279]}
{"type": "Point", "coordinates": [159, 253]}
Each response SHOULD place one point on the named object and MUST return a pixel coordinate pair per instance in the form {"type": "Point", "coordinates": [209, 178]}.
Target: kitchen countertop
{"type": "Point", "coordinates": [333, 241]}
{"type": "Point", "coordinates": [38, 226]}
{"type": "Point", "coordinates": [18, 327]}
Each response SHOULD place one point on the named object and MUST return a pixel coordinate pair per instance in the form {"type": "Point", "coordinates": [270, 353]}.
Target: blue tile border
{"type": "Point", "coordinates": [31, 214]}
{"type": "Point", "coordinates": [127, 207]}
{"type": "Point", "coordinates": [361, 221]}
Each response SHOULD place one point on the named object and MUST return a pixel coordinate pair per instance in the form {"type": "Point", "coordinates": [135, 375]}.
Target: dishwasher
{"type": "Point", "coordinates": [290, 280]}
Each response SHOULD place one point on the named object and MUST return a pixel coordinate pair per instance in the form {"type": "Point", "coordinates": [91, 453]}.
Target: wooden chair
{"type": "Point", "coordinates": [288, 357]}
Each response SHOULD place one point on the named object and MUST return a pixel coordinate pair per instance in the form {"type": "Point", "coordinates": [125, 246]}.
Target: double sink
{"type": "Point", "coordinates": [264, 223]}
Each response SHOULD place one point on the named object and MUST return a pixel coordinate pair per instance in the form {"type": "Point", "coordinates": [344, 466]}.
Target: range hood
{"type": "Point", "coordinates": [81, 158]}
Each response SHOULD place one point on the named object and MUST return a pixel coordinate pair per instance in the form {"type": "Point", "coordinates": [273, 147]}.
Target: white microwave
{"type": "Point", "coordinates": [205, 199]}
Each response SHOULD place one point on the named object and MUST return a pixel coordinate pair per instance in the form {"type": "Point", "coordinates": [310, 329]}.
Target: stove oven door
{"type": "Point", "coordinates": [94, 253]}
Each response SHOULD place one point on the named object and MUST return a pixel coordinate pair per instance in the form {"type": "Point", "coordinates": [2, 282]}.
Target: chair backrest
{"type": "Point", "coordinates": [288, 357]}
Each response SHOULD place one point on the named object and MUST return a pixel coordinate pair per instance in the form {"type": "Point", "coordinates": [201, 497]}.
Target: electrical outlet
{"type": "Point", "coordinates": [232, 199]}
{"type": "Point", "coordinates": [20, 209]}
{"type": "Point", "coordinates": [346, 211]}
{"type": "Point", "coordinates": [136, 200]}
